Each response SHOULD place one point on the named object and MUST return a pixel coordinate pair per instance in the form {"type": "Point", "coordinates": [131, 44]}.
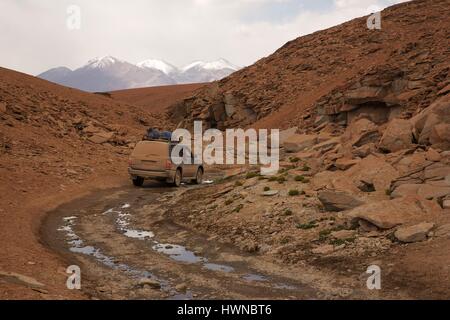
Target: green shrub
{"type": "Point", "coordinates": [293, 192]}
{"type": "Point", "coordinates": [294, 159]}
{"type": "Point", "coordinates": [281, 179]}
{"type": "Point", "coordinates": [266, 188]}
{"type": "Point", "coordinates": [250, 175]}
{"type": "Point", "coordinates": [288, 212]}
{"type": "Point", "coordinates": [338, 242]}
{"type": "Point", "coordinates": [299, 178]}
{"type": "Point", "coordinates": [228, 201]}
{"type": "Point", "coordinates": [308, 225]}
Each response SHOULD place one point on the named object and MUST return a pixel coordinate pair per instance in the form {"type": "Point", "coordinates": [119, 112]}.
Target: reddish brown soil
{"type": "Point", "coordinates": [46, 160]}
{"type": "Point", "coordinates": [156, 99]}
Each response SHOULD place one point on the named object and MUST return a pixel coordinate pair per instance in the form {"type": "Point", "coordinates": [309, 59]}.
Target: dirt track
{"type": "Point", "coordinates": [122, 235]}
{"type": "Point", "coordinates": [114, 257]}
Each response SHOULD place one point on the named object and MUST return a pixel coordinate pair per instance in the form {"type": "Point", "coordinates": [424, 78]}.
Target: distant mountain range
{"type": "Point", "coordinates": [109, 73]}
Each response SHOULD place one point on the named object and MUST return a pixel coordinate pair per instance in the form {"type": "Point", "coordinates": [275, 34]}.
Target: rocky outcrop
{"type": "Point", "coordinates": [336, 76]}
{"type": "Point", "coordinates": [429, 181]}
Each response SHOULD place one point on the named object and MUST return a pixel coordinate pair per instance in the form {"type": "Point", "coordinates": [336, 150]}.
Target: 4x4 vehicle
{"type": "Point", "coordinates": [151, 159]}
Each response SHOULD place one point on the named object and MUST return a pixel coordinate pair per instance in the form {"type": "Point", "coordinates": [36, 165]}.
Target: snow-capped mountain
{"type": "Point", "coordinates": [212, 65]}
{"type": "Point", "coordinates": [108, 73]}
{"type": "Point", "coordinates": [160, 65]}
{"type": "Point", "coordinates": [200, 71]}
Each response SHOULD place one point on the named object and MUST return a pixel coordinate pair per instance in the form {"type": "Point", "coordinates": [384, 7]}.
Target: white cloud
{"type": "Point", "coordinates": [35, 38]}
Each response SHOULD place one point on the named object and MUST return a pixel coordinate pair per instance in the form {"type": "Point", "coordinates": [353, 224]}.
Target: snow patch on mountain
{"type": "Point", "coordinates": [161, 65]}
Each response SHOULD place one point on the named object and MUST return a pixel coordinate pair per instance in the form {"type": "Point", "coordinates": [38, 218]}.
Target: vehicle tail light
{"type": "Point", "coordinates": [168, 164]}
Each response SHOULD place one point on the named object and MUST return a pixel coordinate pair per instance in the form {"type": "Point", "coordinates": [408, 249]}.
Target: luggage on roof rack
{"type": "Point", "coordinates": [155, 134]}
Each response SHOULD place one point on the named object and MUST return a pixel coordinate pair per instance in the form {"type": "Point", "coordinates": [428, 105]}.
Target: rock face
{"type": "Point", "coordinates": [397, 136]}
{"type": "Point", "coordinates": [338, 201]}
{"type": "Point", "coordinates": [390, 213]}
{"type": "Point", "coordinates": [414, 233]}
{"type": "Point", "coordinates": [428, 181]}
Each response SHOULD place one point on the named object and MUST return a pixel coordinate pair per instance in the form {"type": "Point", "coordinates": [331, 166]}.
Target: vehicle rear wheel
{"type": "Point", "coordinates": [177, 178]}
{"type": "Point", "coordinates": [199, 176]}
{"type": "Point", "coordinates": [138, 181]}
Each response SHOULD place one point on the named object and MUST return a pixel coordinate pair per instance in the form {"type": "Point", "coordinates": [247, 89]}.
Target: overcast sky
{"type": "Point", "coordinates": [35, 37]}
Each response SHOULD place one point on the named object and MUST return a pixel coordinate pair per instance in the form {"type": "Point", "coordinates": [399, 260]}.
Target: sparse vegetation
{"type": "Point", "coordinates": [238, 184]}
{"type": "Point", "coordinates": [294, 159]}
{"type": "Point", "coordinates": [293, 192]}
{"type": "Point", "coordinates": [228, 202]}
{"type": "Point", "coordinates": [250, 175]}
{"type": "Point", "coordinates": [281, 179]}
{"type": "Point", "coordinates": [338, 242]}
{"type": "Point", "coordinates": [305, 226]}
{"type": "Point", "coordinates": [288, 212]}
{"type": "Point", "coordinates": [266, 188]}
{"type": "Point", "coordinates": [299, 178]}
{"type": "Point", "coordinates": [306, 167]}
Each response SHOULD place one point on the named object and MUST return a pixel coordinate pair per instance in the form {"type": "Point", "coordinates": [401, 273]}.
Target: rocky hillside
{"type": "Point", "coordinates": [50, 132]}
{"type": "Point", "coordinates": [336, 74]}
{"type": "Point", "coordinates": [365, 170]}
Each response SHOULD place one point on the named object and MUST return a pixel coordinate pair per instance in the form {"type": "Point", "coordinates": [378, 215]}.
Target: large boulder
{"type": "Point", "coordinates": [415, 233]}
{"type": "Point", "coordinates": [397, 136]}
{"type": "Point", "coordinates": [101, 137]}
{"type": "Point", "coordinates": [361, 132]}
{"type": "Point", "coordinates": [432, 125]}
{"type": "Point", "coordinates": [372, 168]}
{"type": "Point", "coordinates": [337, 200]}
{"type": "Point", "coordinates": [299, 142]}
{"type": "Point", "coordinates": [388, 214]}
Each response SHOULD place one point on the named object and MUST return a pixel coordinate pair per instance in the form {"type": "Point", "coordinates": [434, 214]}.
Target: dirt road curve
{"type": "Point", "coordinates": [121, 236]}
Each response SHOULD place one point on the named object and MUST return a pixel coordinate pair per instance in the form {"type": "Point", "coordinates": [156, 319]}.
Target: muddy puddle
{"type": "Point", "coordinates": [106, 233]}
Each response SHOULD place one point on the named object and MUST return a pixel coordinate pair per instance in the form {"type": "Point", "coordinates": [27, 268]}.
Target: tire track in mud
{"type": "Point", "coordinates": [99, 233]}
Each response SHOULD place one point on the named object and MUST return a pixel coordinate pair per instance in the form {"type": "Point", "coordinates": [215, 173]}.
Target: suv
{"type": "Point", "coordinates": [150, 159]}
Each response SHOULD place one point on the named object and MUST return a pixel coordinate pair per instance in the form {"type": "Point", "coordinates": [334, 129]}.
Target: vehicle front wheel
{"type": "Point", "coordinates": [177, 178]}
{"type": "Point", "coordinates": [199, 176]}
{"type": "Point", "coordinates": [138, 181]}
